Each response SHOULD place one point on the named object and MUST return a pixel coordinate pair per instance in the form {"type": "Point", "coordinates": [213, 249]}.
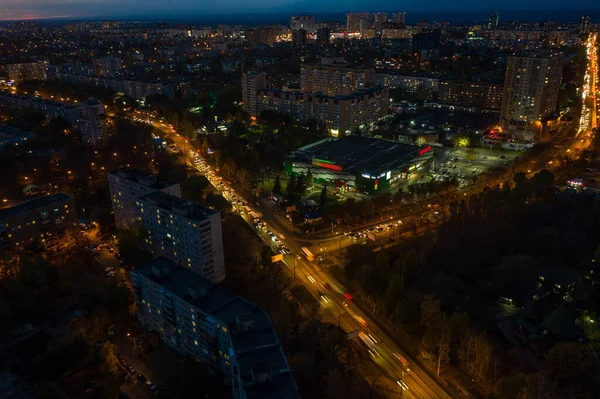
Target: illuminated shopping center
{"type": "Point", "coordinates": [358, 163]}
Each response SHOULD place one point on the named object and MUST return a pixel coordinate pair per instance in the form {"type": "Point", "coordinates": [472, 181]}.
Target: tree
{"type": "Point", "coordinates": [109, 353]}
{"type": "Point", "coordinates": [242, 176]}
{"type": "Point", "coordinates": [277, 186]}
{"type": "Point", "coordinates": [300, 188]}
{"type": "Point", "coordinates": [323, 199]}
{"type": "Point", "coordinates": [291, 187]}
{"type": "Point", "coordinates": [430, 312]}
{"type": "Point", "coordinates": [309, 180]}
{"type": "Point", "coordinates": [573, 369]}
{"type": "Point", "coordinates": [394, 292]}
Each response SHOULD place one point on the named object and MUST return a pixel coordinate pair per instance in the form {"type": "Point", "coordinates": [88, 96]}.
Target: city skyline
{"type": "Point", "coordinates": [48, 9]}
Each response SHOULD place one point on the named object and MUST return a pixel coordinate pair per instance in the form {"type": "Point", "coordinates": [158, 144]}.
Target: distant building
{"type": "Point", "coordinates": [530, 94]}
{"type": "Point", "coordinates": [584, 24]}
{"type": "Point", "coordinates": [306, 22]}
{"type": "Point", "coordinates": [90, 123]}
{"type": "Point", "coordinates": [126, 185]}
{"type": "Point", "coordinates": [299, 38]}
{"type": "Point", "coordinates": [184, 232]}
{"type": "Point", "coordinates": [481, 95]}
{"type": "Point", "coordinates": [356, 22]}
{"type": "Point", "coordinates": [409, 83]}
{"type": "Point", "coordinates": [426, 40]}
{"type": "Point", "coordinates": [399, 18]}
{"type": "Point", "coordinates": [261, 36]}
{"type": "Point", "coordinates": [323, 37]}
{"type": "Point", "coordinates": [87, 117]}
{"type": "Point", "coordinates": [26, 71]}
{"type": "Point", "coordinates": [107, 66]}
{"type": "Point", "coordinates": [341, 114]}
{"type": "Point", "coordinates": [334, 79]}
{"type": "Point", "coordinates": [493, 21]}
{"type": "Point", "coordinates": [45, 219]}
{"type": "Point", "coordinates": [252, 83]}
{"type": "Point", "coordinates": [379, 20]}
{"type": "Point", "coordinates": [227, 333]}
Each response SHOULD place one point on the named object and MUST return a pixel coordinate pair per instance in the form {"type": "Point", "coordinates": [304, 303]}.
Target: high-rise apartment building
{"type": "Point", "coordinates": [399, 17]}
{"type": "Point", "coordinates": [90, 123]}
{"type": "Point", "coordinates": [26, 71]}
{"type": "Point", "coordinates": [530, 93]}
{"type": "Point", "coordinates": [584, 24]}
{"type": "Point", "coordinates": [334, 79]}
{"type": "Point", "coordinates": [186, 233]}
{"type": "Point", "coordinates": [358, 21]}
{"type": "Point", "coordinates": [306, 22]}
{"type": "Point", "coordinates": [252, 82]}
{"type": "Point", "coordinates": [493, 21]}
{"type": "Point", "coordinates": [44, 219]}
{"type": "Point", "coordinates": [225, 332]}
{"type": "Point", "coordinates": [126, 185]}
{"type": "Point", "coordinates": [299, 38]}
{"type": "Point", "coordinates": [379, 19]}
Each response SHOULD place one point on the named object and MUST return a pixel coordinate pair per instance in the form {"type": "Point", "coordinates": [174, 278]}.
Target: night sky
{"type": "Point", "coordinates": [29, 9]}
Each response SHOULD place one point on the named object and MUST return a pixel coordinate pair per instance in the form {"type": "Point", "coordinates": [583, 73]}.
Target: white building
{"type": "Point", "coordinates": [252, 82]}
{"type": "Point", "coordinates": [304, 22]}
{"type": "Point", "coordinates": [126, 185]}
{"type": "Point", "coordinates": [90, 123]}
{"type": "Point", "coordinates": [207, 322]}
{"type": "Point", "coordinates": [184, 232]}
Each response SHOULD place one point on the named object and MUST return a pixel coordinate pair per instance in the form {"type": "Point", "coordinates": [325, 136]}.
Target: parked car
{"type": "Point", "coordinates": [151, 386]}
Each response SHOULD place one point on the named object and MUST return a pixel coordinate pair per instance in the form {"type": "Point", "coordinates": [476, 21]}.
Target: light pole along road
{"type": "Point", "coordinates": [329, 293]}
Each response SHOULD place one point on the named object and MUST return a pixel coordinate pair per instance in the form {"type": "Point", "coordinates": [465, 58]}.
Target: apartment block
{"type": "Point", "coordinates": [530, 93]}
{"type": "Point", "coordinates": [228, 333]}
{"type": "Point", "coordinates": [186, 233]}
{"type": "Point", "coordinates": [45, 219]}
{"type": "Point", "coordinates": [481, 95]}
{"type": "Point", "coordinates": [306, 22]}
{"type": "Point", "coordinates": [126, 185]}
{"type": "Point", "coordinates": [334, 79]}
{"type": "Point", "coordinates": [341, 114]}
{"type": "Point", "coordinates": [252, 82]}
{"type": "Point", "coordinates": [26, 71]}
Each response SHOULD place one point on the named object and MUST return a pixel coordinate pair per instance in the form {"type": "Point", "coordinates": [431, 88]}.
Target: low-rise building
{"type": "Point", "coordinates": [45, 219]}
{"type": "Point", "coordinates": [226, 332]}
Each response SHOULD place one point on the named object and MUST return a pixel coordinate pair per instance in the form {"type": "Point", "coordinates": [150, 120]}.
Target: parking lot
{"type": "Point", "coordinates": [463, 164]}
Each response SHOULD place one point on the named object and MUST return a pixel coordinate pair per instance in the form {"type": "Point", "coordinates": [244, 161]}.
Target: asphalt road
{"type": "Point", "coordinates": [329, 292]}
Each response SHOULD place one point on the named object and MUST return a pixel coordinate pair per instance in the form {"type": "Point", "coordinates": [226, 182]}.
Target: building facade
{"type": "Point", "coordinates": [334, 79]}
{"type": "Point", "coordinates": [225, 332]}
{"type": "Point", "coordinates": [45, 219]}
{"type": "Point", "coordinates": [306, 22]}
{"type": "Point", "coordinates": [356, 22]}
{"type": "Point", "coordinates": [252, 83]}
{"type": "Point", "coordinates": [530, 94]}
{"type": "Point", "coordinates": [341, 114]}
{"type": "Point", "coordinates": [126, 185]}
{"type": "Point", "coordinates": [481, 95]}
{"type": "Point", "coordinates": [90, 123]}
{"type": "Point", "coordinates": [186, 233]}
{"type": "Point", "coordinates": [26, 71]}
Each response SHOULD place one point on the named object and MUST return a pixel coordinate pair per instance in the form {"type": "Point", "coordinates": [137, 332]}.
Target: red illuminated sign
{"type": "Point", "coordinates": [425, 150]}
{"type": "Point", "coordinates": [326, 165]}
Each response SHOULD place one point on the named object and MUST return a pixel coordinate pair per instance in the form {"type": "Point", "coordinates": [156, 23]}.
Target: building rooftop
{"type": "Point", "coordinates": [178, 205]}
{"type": "Point", "coordinates": [35, 203]}
{"type": "Point", "coordinates": [356, 154]}
{"type": "Point", "coordinates": [142, 177]}
{"type": "Point", "coordinates": [254, 340]}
